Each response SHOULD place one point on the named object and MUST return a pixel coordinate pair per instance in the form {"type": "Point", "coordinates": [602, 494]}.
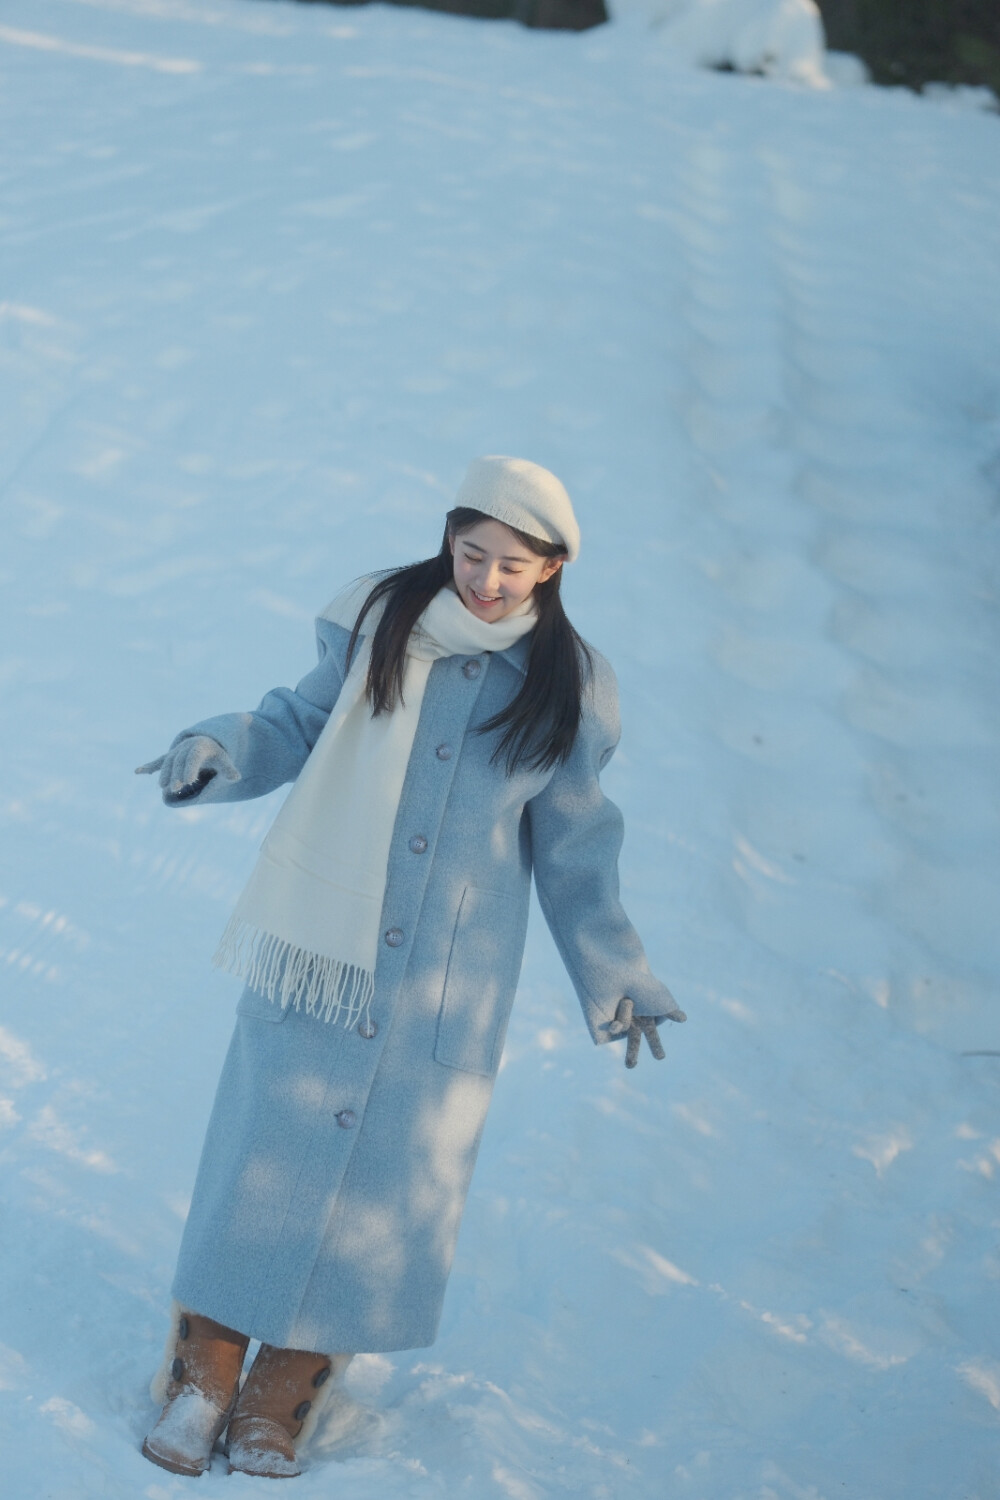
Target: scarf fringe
{"type": "Point", "coordinates": [293, 976]}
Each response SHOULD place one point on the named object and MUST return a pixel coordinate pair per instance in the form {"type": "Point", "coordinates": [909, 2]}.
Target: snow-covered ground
{"type": "Point", "coordinates": [271, 274]}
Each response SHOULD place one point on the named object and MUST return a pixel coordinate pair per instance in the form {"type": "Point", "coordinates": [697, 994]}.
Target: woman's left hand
{"type": "Point", "coordinates": [626, 1023]}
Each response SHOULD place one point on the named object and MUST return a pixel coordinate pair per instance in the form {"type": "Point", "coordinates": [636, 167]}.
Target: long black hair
{"type": "Point", "coordinates": [540, 723]}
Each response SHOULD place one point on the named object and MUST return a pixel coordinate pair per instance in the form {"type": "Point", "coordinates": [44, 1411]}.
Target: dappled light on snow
{"type": "Point", "coordinates": [273, 274]}
{"type": "Point", "coordinates": [45, 42]}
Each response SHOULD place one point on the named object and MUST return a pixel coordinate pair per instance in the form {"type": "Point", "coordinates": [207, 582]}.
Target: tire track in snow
{"type": "Point", "coordinates": [897, 540]}
{"type": "Point", "coordinates": [818, 563]}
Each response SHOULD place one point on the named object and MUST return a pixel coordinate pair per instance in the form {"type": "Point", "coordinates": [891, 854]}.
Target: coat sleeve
{"type": "Point", "coordinates": [576, 836]}
{"type": "Point", "coordinates": [270, 744]}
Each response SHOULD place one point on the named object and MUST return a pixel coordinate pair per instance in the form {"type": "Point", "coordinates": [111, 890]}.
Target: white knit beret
{"type": "Point", "coordinates": [523, 495]}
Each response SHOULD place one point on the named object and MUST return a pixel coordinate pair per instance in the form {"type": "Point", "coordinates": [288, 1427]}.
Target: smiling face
{"type": "Point", "coordinates": [494, 571]}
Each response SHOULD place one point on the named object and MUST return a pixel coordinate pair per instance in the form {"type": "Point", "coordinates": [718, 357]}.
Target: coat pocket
{"type": "Point", "coordinates": [253, 1003]}
{"type": "Point", "coordinates": [480, 981]}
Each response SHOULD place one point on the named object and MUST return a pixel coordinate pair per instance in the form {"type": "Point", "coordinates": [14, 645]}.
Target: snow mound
{"type": "Point", "coordinates": [780, 38]}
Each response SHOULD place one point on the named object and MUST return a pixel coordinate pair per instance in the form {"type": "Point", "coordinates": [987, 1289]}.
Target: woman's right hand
{"type": "Point", "coordinates": [188, 767]}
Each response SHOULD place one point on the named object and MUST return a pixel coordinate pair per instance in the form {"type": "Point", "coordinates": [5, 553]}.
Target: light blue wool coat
{"type": "Point", "coordinates": [336, 1165]}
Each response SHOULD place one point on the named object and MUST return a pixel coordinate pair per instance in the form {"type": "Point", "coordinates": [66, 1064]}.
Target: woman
{"type": "Point", "coordinates": [447, 745]}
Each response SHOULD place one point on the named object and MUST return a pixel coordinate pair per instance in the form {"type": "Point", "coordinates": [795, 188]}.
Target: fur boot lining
{"type": "Point", "coordinates": [160, 1381]}
{"type": "Point", "coordinates": [323, 1397]}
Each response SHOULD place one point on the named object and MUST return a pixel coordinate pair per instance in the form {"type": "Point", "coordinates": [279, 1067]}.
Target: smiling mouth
{"type": "Point", "coordinates": [481, 600]}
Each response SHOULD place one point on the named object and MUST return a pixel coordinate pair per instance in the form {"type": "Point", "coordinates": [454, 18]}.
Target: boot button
{"type": "Point", "coordinates": [346, 1119]}
{"type": "Point", "coordinates": [394, 937]}
{"type": "Point", "coordinates": [368, 1029]}
{"type": "Point", "coordinates": [321, 1377]}
{"type": "Point", "coordinates": [177, 1369]}
{"type": "Point", "coordinates": [183, 1328]}
{"type": "Point", "coordinates": [302, 1411]}
{"type": "Point", "coordinates": [444, 752]}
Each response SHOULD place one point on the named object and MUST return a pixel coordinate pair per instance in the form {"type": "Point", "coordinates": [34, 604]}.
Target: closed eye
{"type": "Point", "coordinates": [477, 558]}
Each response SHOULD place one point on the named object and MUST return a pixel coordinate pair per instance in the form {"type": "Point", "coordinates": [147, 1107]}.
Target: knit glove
{"type": "Point", "coordinates": [634, 1027]}
{"type": "Point", "coordinates": [188, 767]}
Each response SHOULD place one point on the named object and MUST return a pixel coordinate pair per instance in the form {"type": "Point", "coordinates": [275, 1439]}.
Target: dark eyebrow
{"type": "Point", "coordinates": [503, 559]}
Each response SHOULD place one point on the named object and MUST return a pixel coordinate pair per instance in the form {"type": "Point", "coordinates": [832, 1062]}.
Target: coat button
{"type": "Point", "coordinates": [394, 937]}
{"type": "Point", "coordinates": [418, 844]}
{"type": "Point", "coordinates": [177, 1369]}
{"type": "Point", "coordinates": [368, 1029]}
{"type": "Point", "coordinates": [183, 1328]}
{"type": "Point", "coordinates": [346, 1119]}
{"type": "Point", "coordinates": [302, 1411]}
{"type": "Point", "coordinates": [444, 752]}
{"type": "Point", "coordinates": [472, 668]}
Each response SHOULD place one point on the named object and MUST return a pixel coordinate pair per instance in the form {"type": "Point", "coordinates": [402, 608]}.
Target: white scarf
{"type": "Point", "coordinates": [306, 927]}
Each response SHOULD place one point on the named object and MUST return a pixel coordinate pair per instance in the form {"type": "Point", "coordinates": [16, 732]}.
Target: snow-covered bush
{"type": "Point", "coordinates": [783, 38]}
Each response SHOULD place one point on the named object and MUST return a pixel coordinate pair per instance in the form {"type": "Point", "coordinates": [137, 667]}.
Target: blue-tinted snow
{"type": "Point", "coordinates": [271, 274]}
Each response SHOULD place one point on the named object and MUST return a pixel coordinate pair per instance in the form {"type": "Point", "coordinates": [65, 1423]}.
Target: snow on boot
{"type": "Point", "coordinates": [277, 1408]}
{"type": "Point", "coordinates": [204, 1376]}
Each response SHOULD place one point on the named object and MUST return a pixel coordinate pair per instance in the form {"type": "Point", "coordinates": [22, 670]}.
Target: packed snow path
{"type": "Point", "coordinates": [270, 276]}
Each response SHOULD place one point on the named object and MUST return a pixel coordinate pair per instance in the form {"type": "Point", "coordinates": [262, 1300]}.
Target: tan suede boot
{"type": "Point", "coordinates": [204, 1379]}
{"type": "Point", "coordinates": [283, 1388]}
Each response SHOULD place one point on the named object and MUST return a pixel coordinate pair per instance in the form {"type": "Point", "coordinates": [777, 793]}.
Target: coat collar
{"type": "Point", "coordinates": [517, 654]}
